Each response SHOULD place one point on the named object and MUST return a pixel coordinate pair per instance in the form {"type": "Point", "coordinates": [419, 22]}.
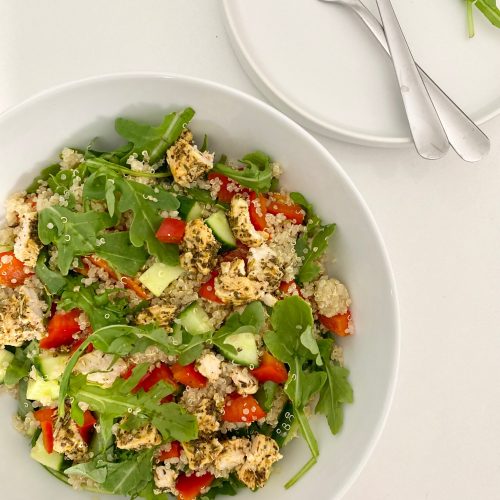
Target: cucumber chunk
{"type": "Point", "coordinates": [45, 391]}
{"type": "Point", "coordinates": [189, 209]}
{"type": "Point", "coordinates": [50, 366]}
{"type": "Point", "coordinates": [246, 348]}
{"type": "Point", "coordinates": [159, 276]}
{"type": "Point", "coordinates": [5, 359]}
{"type": "Point", "coordinates": [195, 320]}
{"type": "Point", "coordinates": [219, 225]}
{"type": "Point", "coordinates": [52, 460]}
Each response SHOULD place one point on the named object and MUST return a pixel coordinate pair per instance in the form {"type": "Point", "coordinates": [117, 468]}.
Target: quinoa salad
{"type": "Point", "coordinates": [167, 323]}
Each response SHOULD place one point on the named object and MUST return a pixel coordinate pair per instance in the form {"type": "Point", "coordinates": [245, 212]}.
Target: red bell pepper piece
{"type": "Point", "coordinates": [158, 374]}
{"type": "Point", "coordinates": [207, 289]}
{"type": "Point", "coordinates": [61, 329]}
{"type": "Point", "coordinates": [281, 204]}
{"type": "Point", "coordinates": [339, 324]}
{"type": "Point", "coordinates": [289, 287]}
{"type": "Point", "coordinates": [240, 252]}
{"type": "Point", "coordinates": [189, 487]}
{"type": "Point", "coordinates": [12, 271]}
{"type": "Point", "coordinates": [46, 418]}
{"type": "Point", "coordinates": [239, 408]}
{"type": "Point", "coordinates": [270, 369]}
{"type": "Point", "coordinates": [173, 452]}
{"type": "Point", "coordinates": [86, 429]}
{"type": "Point", "coordinates": [188, 375]}
{"type": "Point", "coordinates": [171, 230]}
{"type": "Point", "coordinates": [258, 210]}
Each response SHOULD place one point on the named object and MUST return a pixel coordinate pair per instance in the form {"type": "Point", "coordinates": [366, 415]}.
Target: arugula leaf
{"type": "Point", "coordinates": [44, 175]}
{"type": "Point", "coordinates": [54, 282]}
{"type": "Point", "coordinates": [24, 405]}
{"type": "Point", "coordinates": [488, 8]}
{"type": "Point", "coordinates": [145, 204]}
{"type": "Point", "coordinates": [102, 441]}
{"type": "Point", "coordinates": [118, 155]}
{"type": "Point", "coordinates": [256, 175]}
{"type": "Point", "coordinates": [21, 363]}
{"type": "Point", "coordinates": [266, 394]}
{"type": "Point", "coordinates": [101, 310]}
{"type": "Point", "coordinates": [336, 390]}
{"type": "Point", "coordinates": [127, 477]}
{"type": "Point", "coordinates": [73, 233]}
{"type": "Point", "coordinates": [291, 342]}
{"type": "Point", "coordinates": [120, 254]}
{"type": "Point", "coordinates": [100, 164]}
{"type": "Point", "coordinates": [154, 140]}
{"type": "Point", "coordinates": [148, 493]}
{"type": "Point", "coordinates": [222, 486]}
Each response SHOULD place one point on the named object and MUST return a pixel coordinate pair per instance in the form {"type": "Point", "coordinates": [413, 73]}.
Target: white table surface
{"type": "Point", "coordinates": [440, 221]}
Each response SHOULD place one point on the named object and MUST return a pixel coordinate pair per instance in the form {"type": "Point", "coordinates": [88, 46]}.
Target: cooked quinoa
{"type": "Point", "coordinates": [158, 309]}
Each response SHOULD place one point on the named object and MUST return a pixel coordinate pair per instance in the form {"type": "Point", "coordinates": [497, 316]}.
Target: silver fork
{"type": "Point", "coordinates": [463, 134]}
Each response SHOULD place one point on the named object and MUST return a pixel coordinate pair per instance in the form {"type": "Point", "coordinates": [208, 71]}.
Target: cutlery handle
{"type": "Point", "coordinates": [426, 129]}
{"type": "Point", "coordinates": [466, 138]}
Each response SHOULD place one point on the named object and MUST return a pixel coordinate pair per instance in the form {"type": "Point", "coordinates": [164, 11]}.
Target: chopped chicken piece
{"type": "Point", "coordinates": [263, 454]}
{"type": "Point", "coordinates": [241, 224]}
{"type": "Point", "coordinates": [331, 297]}
{"type": "Point", "coordinates": [151, 355]}
{"type": "Point", "coordinates": [206, 405]}
{"type": "Point", "coordinates": [21, 316]}
{"type": "Point", "coordinates": [187, 163]}
{"type": "Point", "coordinates": [68, 440]}
{"type": "Point", "coordinates": [165, 478]}
{"type": "Point", "coordinates": [198, 248]}
{"type": "Point", "coordinates": [100, 368]}
{"type": "Point", "coordinates": [201, 453]}
{"type": "Point", "coordinates": [161, 314]}
{"type": "Point", "coordinates": [263, 266]}
{"type": "Point", "coordinates": [232, 286]}
{"type": "Point", "coordinates": [244, 381]}
{"type": "Point", "coordinates": [209, 365]}
{"type": "Point", "coordinates": [232, 455]}
{"type": "Point", "coordinates": [137, 439]}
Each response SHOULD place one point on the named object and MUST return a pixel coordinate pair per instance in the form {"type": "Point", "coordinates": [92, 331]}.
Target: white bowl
{"type": "Point", "coordinates": [32, 134]}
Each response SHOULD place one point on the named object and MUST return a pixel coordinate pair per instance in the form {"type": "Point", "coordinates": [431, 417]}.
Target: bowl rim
{"type": "Point", "coordinates": [329, 158]}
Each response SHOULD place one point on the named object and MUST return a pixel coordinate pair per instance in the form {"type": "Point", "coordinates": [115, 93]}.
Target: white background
{"type": "Point", "coordinates": [440, 221]}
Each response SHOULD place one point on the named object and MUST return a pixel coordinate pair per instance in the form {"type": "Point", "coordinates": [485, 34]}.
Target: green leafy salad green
{"type": "Point", "coordinates": [488, 8]}
{"type": "Point", "coordinates": [168, 322]}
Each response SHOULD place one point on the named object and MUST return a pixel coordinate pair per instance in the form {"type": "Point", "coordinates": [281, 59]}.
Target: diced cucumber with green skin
{"type": "Point", "coordinates": [246, 348]}
{"type": "Point", "coordinates": [51, 366]}
{"type": "Point", "coordinates": [5, 358]}
{"type": "Point", "coordinates": [52, 460]}
{"type": "Point", "coordinates": [159, 276]}
{"type": "Point", "coordinates": [219, 225]}
{"type": "Point", "coordinates": [45, 391]}
{"type": "Point", "coordinates": [287, 426]}
{"type": "Point", "coordinates": [195, 320]}
{"type": "Point", "coordinates": [189, 209]}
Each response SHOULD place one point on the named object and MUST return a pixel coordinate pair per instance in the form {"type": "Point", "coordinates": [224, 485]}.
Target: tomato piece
{"type": "Point", "coordinates": [228, 187]}
{"type": "Point", "coordinates": [242, 409]}
{"type": "Point", "coordinates": [12, 270]}
{"type": "Point", "coordinates": [46, 418]}
{"type": "Point", "coordinates": [171, 230]}
{"type": "Point", "coordinates": [86, 429]}
{"type": "Point", "coordinates": [189, 487]}
{"type": "Point", "coordinates": [339, 324]}
{"type": "Point", "coordinates": [270, 369]}
{"type": "Point", "coordinates": [289, 288]}
{"type": "Point", "coordinates": [281, 204]}
{"type": "Point", "coordinates": [61, 329]}
{"type": "Point", "coordinates": [188, 375]}
{"type": "Point", "coordinates": [158, 374]}
{"type": "Point", "coordinates": [207, 289]}
{"type": "Point", "coordinates": [240, 252]}
{"type": "Point", "coordinates": [130, 283]}
{"type": "Point", "coordinates": [258, 210]}
{"type": "Point", "coordinates": [173, 452]}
